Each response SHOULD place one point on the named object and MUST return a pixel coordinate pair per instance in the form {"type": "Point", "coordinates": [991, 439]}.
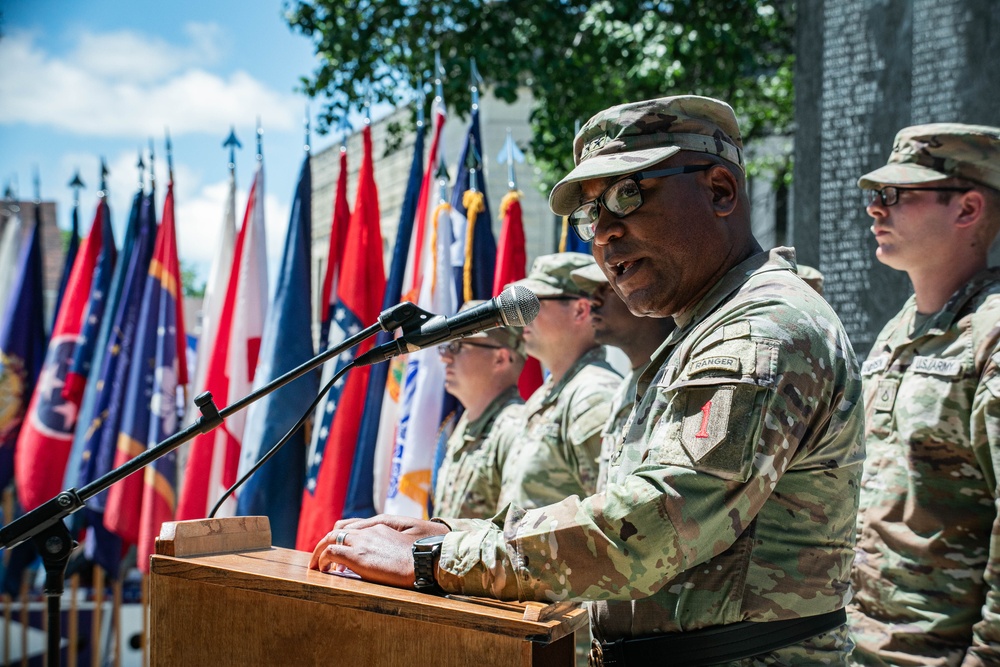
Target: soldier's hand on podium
{"type": "Point", "coordinates": [378, 549]}
{"type": "Point", "coordinates": [404, 524]}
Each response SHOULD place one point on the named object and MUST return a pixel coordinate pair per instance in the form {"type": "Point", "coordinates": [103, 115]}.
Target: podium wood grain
{"type": "Point", "coordinates": [266, 607]}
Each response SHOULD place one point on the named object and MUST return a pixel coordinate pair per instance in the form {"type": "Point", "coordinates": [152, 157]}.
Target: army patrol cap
{"type": "Point", "coordinates": [925, 153]}
{"type": "Point", "coordinates": [589, 278]}
{"type": "Point", "coordinates": [550, 274]}
{"type": "Point", "coordinates": [812, 276]}
{"type": "Point", "coordinates": [631, 137]}
{"type": "Point", "coordinates": [509, 337]}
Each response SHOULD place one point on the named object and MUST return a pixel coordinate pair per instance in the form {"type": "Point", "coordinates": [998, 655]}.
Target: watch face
{"type": "Point", "coordinates": [429, 542]}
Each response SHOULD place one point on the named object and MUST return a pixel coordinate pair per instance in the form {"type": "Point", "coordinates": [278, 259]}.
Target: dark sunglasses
{"type": "Point", "coordinates": [620, 198]}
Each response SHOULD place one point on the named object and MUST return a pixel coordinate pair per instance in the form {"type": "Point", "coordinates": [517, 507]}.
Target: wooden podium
{"type": "Point", "coordinates": [220, 594]}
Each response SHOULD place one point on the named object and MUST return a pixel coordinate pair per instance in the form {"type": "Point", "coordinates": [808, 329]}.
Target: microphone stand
{"type": "Point", "coordinates": [44, 525]}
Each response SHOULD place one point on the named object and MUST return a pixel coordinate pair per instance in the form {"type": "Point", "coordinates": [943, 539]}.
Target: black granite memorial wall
{"type": "Point", "coordinates": [865, 69]}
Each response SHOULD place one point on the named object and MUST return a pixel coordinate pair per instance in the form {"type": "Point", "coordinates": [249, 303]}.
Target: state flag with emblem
{"type": "Point", "coordinates": [43, 444]}
{"type": "Point", "coordinates": [22, 346]}
{"type": "Point", "coordinates": [138, 504]}
{"type": "Point", "coordinates": [359, 295]}
{"type": "Point", "coordinates": [214, 457]}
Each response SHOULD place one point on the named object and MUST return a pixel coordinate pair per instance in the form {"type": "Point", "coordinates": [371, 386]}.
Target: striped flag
{"type": "Point", "coordinates": [359, 294]}
{"type": "Point", "coordinates": [214, 457]}
{"type": "Point", "coordinates": [137, 505]}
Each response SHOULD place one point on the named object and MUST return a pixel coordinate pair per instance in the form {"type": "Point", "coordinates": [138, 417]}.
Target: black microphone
{"type": "Point", "coordinates": [515, 306]}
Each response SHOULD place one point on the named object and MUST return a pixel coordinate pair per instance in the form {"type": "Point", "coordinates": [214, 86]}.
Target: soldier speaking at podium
{"type": "Point", "coordinates": [725, 534]}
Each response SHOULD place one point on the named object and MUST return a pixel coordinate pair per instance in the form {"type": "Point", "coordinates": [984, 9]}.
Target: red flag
{"type": "Point", "coordinates": [338, 235]}
{"type": "Point", "coordinates": [359, 297]}
{"type": "Point", "coordinates": [47, 432]}
{"type": "Point", "coordinates": [214, 459]}
{"type": "Point", "coordinates": [511, 265]}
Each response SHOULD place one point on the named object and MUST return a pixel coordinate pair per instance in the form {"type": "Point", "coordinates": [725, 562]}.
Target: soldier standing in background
{"type": "Point", "coordinates": [481, 371]}
{"type": "Point", "coordinates": [927, 570]}
{"type": "Point", "coordinates": [556, 453]}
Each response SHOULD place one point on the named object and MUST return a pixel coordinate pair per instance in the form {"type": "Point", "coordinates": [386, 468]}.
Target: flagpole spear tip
{"type": "Point", "coordinates": [38, 185]}
{"type": "Point", "coordinates": [104, 178]}
{"type": "Point", "coordinates": [141, 166]}
{"type": "Point", "coordinates": [77, 183]}
{"type": "Point", "coordinates": [232, 143]}
{"type": "Point", "coordinates": [152, 158]}
{"type": "Point", "coordinates": [170, 155]}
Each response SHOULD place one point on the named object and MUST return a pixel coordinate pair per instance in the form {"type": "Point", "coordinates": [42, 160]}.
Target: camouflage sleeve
{"type": "Point", "coordinates": [985, 432]}
{"type": "Point", "coordinates": [668, 515]}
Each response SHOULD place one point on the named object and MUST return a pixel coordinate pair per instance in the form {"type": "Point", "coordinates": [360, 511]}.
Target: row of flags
{"type": "Point", "coordinates": [111, 382]}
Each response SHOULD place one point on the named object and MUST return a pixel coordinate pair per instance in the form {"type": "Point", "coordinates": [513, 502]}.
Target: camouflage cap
{"type": "Point", "coordinates": [630, 137]}
{"type": "Point", "coordinates": [925, 153]}
{"type": "Point", "coordinates": [550, 274]}
{"type": "Point", "coordinates": [503, 335]}
{"type": "Point", "coordinates": [589, 278]}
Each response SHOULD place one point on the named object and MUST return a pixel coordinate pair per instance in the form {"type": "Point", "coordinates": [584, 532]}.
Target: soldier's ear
{"type": "Point", "coordinates": [971, 207]}
{"type": "Point", "coordinates": [724, 188]}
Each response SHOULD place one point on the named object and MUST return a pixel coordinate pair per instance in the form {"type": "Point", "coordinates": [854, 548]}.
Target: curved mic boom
{"type": "Point", "coordinates": [515, 307]}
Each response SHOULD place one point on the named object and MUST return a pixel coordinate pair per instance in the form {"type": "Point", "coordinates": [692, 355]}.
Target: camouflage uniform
{"type": "Point", "coordinates": [927, 568]}
{"type": "Point", "coordinates": [732, 495]}
{"type": "Point", "coordinates": [557, 452]}
{"type": "Point", "coordinates": [621, 408]}
{"type": "Point", "coordinates": [468, 482]}
{"type": "Point", "coordinates": [928, 533]}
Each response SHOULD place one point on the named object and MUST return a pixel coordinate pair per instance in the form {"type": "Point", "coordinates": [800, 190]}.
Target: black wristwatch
{"type": "Point", "coordinates": [426, 553]}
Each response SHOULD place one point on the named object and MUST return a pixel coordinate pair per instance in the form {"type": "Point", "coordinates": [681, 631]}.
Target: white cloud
{"type": "Point", "coordinates": [127, 84]}
{"type": "Point", "coordinates": [130, 57]}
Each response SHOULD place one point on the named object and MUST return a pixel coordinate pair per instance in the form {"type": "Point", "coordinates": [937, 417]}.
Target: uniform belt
{"type": "Point", "coordinates": [714, 645]}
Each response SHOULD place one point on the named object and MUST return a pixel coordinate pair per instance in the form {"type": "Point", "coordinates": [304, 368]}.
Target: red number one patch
{"type": "Point", "coordinates": [705, 409]}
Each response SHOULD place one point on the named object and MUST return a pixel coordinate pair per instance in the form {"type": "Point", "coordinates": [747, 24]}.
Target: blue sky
{"type": "Point", "coordinates": [81, 80]}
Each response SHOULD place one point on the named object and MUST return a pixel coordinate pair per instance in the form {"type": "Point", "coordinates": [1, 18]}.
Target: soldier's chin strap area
{"type": "Point", "coordinates": [715, 645]}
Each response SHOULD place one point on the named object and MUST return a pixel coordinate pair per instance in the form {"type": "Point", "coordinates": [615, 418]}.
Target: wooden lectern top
{"type": "Point", "coordinates": [200, 563]}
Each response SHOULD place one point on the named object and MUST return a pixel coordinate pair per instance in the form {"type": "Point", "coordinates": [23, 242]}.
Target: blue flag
{"type": "Point", "coordinates": [276, 489]}
{"type": "Point", "coordinates": [22, 346]}
{"type": "Point", "coordinates": [101, 437]}
{"type": "Point", "coordinates": [360, 501]}
{"type": "Point", "coordinates": [481, 252]}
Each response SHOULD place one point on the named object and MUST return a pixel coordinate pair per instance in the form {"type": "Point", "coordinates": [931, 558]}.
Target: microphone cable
{"type": "Point", "coordinates": [285, 438]}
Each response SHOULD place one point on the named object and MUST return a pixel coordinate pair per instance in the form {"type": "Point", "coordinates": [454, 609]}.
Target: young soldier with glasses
{"type": "Point", "coordinates": [927, 570]}
{"type": "Point", "coordinates": [481, 371]}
